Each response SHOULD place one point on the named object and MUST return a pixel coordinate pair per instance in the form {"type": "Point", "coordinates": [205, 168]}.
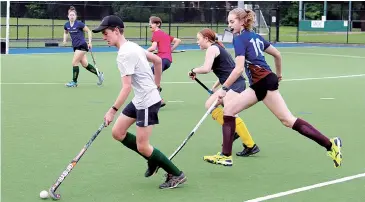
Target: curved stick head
{"type": "Point", "coordinates": [53, 195]}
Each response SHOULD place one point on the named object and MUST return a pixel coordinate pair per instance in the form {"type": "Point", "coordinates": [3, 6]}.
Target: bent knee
{"type": "Point", "coordinates": [84, 64]}
{"type": "Point", "coordinates": [209, 103]}
{"type": "Point", "coordinates": [229, 110]}
{"type": "Point", "coordinates": [143, 148]}
{"type": "Point", "coordinates": [288, 121]}
{"type": "Point", "coordinates": [118, 134]}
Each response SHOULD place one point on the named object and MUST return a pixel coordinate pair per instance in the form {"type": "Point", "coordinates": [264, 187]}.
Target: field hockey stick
{"type": "Point", "coordinates": [204, 86]}
{"type": "Point", "coordinates": [92, 56]}
{"type": "Point", "coordinates": [175, 51]}
{"type": "Point", "coordinates": [210, 92]}
{"type": "Point", "coordinates": [179, 51]}
{"type": "Point", "coordinates": [193, 131]}
{"type": "Point", "coordinates": [70, 166]}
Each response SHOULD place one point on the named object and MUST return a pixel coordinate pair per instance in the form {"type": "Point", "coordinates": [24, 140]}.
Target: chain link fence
{"type": "Point", "coordinates": [35, 24]}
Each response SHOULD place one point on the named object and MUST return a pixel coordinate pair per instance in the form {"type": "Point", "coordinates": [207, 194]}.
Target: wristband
{"type": "Point", "coordinates": [114, 108]}
{"type": "Point", "coordinates": [225, 88]}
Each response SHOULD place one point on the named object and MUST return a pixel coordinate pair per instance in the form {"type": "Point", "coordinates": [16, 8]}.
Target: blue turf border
{"type": "Point", "coordinates": [181, 47]}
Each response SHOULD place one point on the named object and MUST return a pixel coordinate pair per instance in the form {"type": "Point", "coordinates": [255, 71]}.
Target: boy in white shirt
{"type": "Point", "coordinates": [143, 110]}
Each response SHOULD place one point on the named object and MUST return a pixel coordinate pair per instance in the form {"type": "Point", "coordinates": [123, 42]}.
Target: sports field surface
{"type": "Point", "coordinates": [44, 125]}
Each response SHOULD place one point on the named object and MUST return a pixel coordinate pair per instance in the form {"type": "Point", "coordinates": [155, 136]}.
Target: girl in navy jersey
{"type": "Point", "coordinates": [76, 30]}
{"type": "Point", "coordinates": [218, 60]}
{"type": "Point", "coordinates": [249, 50]}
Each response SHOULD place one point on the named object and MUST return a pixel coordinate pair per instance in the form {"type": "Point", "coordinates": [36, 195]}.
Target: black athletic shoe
{"type": "Point", "coordinates": [151, 169]}
{"type": "Point", "coordinates": [247, 151]}
{"type": "Point", "coordinates": [173, 181]}
{"type": "Point", "coordinates": [236, 136]}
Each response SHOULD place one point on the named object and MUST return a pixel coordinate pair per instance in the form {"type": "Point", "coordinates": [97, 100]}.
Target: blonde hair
{"type": "Point", "coordinates": [248, 17]}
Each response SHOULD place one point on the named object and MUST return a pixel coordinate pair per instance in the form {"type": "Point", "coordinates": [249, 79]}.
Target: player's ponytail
{"type": "Point", "coordinates": [211, 35]}
{"type": "Point", "coordinates": [247, 16]}
{"type": "Point", "coordinates": [72, 9]}
{"type": "Point", "coordinates": [249, 20]}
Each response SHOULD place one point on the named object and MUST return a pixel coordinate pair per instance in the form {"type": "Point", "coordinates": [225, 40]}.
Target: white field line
{"type": "Point", "coordinates": [191, 82]}
{"type": "Point", "coordinates": [306, 188]}
{"type": "Point", "coordinates": [324, 54]}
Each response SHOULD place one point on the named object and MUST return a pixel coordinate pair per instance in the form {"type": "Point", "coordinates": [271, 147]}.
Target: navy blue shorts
{"type": "Point", "coordinates": [166, 63]}
{"type": "Point", "coordinates": [238, 87]}
{"type": "Point", "coordinates": [82, 47]}
{"type": "Point", "coordinates": [144, 117]}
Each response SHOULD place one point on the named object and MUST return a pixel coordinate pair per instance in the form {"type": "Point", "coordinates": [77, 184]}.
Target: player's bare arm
{"type": "Point", "coordinates": [123, 95]}
{"type": "Point", "coordinates": [176, 43]}
{"type": "Point", "coordinates": [216, 85]}
{"type": "Point", "coordinates": [89, 35]}
{"type": "Point", "coordinates": [237, 71]}
{"type": "Point", "coordinates": [277, 58]}
{"type": "Point", "coordinates": [211, 53]}
{"type": "Point", "coordinates": [65, 34]}
{"type": "Point", "coordinates": [157, 63]}
{"type": "Point", "coordinates": [153, 47]}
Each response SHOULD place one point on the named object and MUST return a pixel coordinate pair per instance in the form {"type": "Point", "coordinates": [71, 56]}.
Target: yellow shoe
{"type": "Point", "coordinates": [219, 158]}
{"type": "Point", "coordinates": [335, 152]}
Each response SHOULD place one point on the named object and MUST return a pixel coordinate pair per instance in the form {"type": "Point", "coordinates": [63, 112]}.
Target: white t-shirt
{"type": "Point", "coordinates": [132, 60]}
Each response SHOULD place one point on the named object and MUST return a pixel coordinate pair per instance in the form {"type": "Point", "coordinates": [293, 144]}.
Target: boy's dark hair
{"type": "Point", "coordinates": [156, 20]}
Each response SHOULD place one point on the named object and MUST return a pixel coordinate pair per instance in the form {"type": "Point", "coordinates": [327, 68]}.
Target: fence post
{"type": "Point", "coordinates": [270, 23]}
{"type": "Point", "coordinates": [146, 34]}
{"type": "Point", "coordinates": [216, 18]}
{"type": "Point", "coordinates": [53, 9]}
{"type": "Point", "coordinates": [27, 36]}
{"type": "Point", "coordinates": [211, 18]}
{"type": "Point", "coordinates": [170, 18]}
{"type": "Point", "coordinates": [177, 31]}
{"type": "Point", "coordinates": [298, 28]}
{"type": "Point", "coordinates": [140, 23]}
{"type": "Point", "coordinates": [347, 32]}
{"type": "Point", "coordinates": [259, 19]}
{"type": "Point", "coordinates": [277, 23]}
{"type": "Point", "coordinates": [17, 27]}
{"type": "Point", "coordinates": [52, 28]}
